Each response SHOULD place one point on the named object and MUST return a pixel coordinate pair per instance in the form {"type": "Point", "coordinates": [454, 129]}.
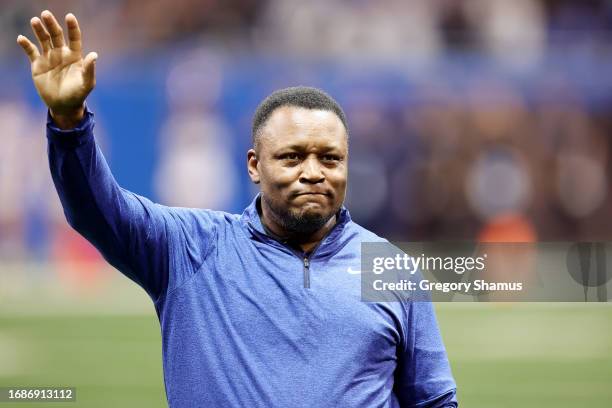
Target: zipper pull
{"type": "Point", "coordinates": [306, 273]}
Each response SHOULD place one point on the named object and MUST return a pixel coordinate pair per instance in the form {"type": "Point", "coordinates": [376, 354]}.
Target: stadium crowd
{"type": "Point", "coordinates": [472, 119]}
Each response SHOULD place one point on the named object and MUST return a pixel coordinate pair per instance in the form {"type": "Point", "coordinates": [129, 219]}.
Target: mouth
{"type": "Point", "coordinates": [312, 193]}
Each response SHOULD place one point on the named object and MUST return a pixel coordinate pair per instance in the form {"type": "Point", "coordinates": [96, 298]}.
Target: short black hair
{"type": "Point", "coordinates": [298, 96]}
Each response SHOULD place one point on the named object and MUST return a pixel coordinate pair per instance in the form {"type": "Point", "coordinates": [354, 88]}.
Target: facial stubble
{"type": "Point", "coordinates": [298, 223]}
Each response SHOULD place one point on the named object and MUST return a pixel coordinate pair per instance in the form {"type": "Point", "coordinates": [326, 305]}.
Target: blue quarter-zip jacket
{"type": "Point", "coordinates": [247, 321]}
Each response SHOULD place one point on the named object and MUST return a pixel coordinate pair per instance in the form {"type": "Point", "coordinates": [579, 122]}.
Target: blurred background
{"type": "Point", "coordinates": [469, 119]}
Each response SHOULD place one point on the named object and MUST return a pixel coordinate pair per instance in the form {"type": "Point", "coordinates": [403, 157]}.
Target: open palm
{"type": "Point", "coordinates": [63, 78]}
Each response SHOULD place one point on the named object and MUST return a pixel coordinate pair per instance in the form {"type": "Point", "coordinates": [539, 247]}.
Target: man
{"type": "Point", "coordinates": [258, 309]}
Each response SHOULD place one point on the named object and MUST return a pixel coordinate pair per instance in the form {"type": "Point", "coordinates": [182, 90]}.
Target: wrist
{"type": "Point", "coordinates": [68, 119]}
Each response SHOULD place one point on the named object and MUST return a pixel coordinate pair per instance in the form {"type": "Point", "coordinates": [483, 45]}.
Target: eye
{"type": "Point", "coordinates": [290, 158]}
{"type": "Point", "coordinates": [331, 158]}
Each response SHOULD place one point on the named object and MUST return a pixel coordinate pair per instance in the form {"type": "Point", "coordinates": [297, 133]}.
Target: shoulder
{"type": "Point", "coordinates": [200, 218]}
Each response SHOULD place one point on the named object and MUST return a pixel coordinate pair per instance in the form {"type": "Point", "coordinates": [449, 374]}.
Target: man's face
{"type": "Point", "coordinates": [302, 167]}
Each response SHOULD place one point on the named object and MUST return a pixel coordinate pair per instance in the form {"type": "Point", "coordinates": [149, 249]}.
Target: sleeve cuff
{"type": "Point", "coordinates": [70, 138]}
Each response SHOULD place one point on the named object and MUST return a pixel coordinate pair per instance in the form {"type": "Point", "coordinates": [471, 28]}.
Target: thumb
{"type": "Point", "coordinates": [89, 70]}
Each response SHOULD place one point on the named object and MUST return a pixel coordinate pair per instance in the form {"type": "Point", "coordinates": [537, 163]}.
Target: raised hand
{"type": "Point", "coordinates": [63, 78]}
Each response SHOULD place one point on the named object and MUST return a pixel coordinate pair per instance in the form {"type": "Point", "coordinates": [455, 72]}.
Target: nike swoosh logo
{"type": "Point", "coordinates": [353, 271]}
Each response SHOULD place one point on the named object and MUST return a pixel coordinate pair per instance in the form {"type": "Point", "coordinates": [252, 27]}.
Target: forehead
{"type": "Point", "coordinates": [301, 127]}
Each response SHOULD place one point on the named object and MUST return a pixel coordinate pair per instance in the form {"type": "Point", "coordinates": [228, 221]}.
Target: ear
{"type": "Point", "coordinates": [252, 163]}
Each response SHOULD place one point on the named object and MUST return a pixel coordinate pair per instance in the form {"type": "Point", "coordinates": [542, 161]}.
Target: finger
{"type": "Point", "coordinates": [57, 34]}
{"type": "Point", "coordinates": [89, 70]}
{"type": "Point", "coordinates": [29, 48]}
{"type": "Point", "coordinates": [74, 32]}
{"type": "Point", "coordinates": [44, 39]}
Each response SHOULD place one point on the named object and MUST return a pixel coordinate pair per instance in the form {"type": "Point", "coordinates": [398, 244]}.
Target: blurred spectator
{"type": "Point", "coordinates": [13, 178]}
{"type": "Point", "coordinates": [389, 29]}
{"type": "Point", "coordinates": [196, 168]}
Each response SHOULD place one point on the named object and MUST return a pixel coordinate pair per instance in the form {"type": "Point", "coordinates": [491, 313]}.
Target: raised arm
{"type": "Point", "coordinates": [156, 246]}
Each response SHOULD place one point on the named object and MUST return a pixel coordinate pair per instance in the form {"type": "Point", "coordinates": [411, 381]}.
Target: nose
{"type": "Point", "coordinates": [311, 171]}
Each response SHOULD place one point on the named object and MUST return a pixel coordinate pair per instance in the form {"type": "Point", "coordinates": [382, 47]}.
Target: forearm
{"type": "Point", "coordinates": [81, 176]}
{"type": "Point", "coordinates": [127, 229]}
{"type": "Point", "coordinates": [423, 377]}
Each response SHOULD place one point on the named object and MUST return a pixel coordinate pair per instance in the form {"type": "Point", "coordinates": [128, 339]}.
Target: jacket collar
{"type": "Point", "coordinates": [330, 244]}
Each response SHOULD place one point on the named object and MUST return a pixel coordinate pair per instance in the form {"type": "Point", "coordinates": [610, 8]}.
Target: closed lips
{"type": "Point", "coordinates": [312, 195]}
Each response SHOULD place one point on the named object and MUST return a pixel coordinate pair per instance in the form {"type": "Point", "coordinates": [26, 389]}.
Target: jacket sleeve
{"type": "Point", "coordinates": [423, 377]}
{"type": "Point", "coordinates": [155, 246]}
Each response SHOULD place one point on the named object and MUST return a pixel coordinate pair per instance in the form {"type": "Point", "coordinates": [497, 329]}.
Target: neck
{"type": "Point", "coordinates": [306, 242]}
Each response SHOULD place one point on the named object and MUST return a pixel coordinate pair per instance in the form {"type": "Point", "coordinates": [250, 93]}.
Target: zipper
{"type": "Point", "coordinates": [306, 273]}
{"type": "Point", "coordinates": [305, 259]}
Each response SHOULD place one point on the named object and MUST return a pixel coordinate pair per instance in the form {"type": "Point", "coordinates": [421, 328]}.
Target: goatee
{"type": "Point", "coordinates": [298, 224]}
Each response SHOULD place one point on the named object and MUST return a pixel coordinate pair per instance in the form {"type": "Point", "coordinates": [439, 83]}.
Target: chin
{"type": "Point", "coordinates": [307, 219]}
{"type": "Point", "coordinates": [314, 210]}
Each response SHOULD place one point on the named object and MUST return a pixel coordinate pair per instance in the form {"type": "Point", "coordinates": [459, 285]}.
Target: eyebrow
{"type": "Point", "coordinates": [296, 147]}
